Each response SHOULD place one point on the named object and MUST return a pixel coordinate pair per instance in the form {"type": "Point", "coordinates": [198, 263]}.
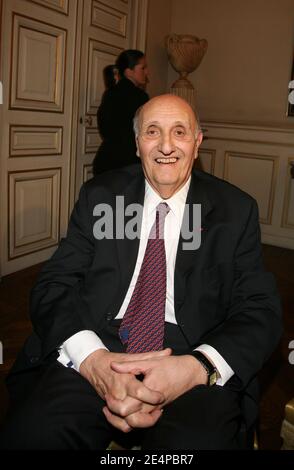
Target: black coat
{"type": "Point", "coordinates": [115, 125]}
{"type": "Point", "coordinates": [222, 294]}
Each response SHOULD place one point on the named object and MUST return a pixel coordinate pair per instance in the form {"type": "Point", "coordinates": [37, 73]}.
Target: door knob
{"type": "Point", "coordinates": [87, 121]}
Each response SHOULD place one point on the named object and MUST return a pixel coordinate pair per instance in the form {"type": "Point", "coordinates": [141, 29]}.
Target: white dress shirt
{"type": "Point", "coordinates": [74, 350]}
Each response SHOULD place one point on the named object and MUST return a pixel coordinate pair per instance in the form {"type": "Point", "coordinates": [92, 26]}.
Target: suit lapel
{"type": "Point", "coordinates": [127, 249]}
{"type": "Point", "coordinates": [186, 259]}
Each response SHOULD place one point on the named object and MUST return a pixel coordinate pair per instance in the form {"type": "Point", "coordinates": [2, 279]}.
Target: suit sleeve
{"type": "Point", "coordinates": [56, 312]}
{"type": "Point", "coordinates": [253, 322]}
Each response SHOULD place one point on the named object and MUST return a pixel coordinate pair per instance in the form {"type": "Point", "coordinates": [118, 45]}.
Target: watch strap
{"type": "Point", "coordinates": [208, 366]}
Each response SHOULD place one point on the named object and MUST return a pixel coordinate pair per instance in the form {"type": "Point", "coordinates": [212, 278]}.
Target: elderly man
{"type": "Point", "coordinates": [149, 332]}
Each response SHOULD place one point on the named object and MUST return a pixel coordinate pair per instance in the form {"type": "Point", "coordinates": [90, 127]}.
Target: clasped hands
{"type": "Point", "coordinates": [133, 403]}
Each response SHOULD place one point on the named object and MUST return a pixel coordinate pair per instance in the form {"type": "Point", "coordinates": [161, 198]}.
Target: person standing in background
{"type": "Point", "coordinates": [116, 112]}
{"type": "Point", "coordinates": [110, 77]}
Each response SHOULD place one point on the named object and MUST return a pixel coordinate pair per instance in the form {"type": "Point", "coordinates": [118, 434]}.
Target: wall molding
{"type": "Point", "coordinates": [268, 151]}
{"type": "Point", "coordinates": [257, 133]}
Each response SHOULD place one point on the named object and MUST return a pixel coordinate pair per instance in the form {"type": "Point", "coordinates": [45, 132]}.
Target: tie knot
{"type": "Point", "coordinates": [162, 209]}
{"type": "Point", "coordinates": [157, 230]}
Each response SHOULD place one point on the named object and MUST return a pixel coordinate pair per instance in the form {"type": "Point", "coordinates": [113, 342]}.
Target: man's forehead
{"type": "Point", "coordinates": [159, 116]}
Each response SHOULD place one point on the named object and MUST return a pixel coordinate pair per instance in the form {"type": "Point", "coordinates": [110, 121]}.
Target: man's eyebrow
{"type": "Point", "coordinates": [157, 123]}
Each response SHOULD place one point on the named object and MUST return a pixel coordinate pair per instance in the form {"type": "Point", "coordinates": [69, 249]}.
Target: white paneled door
{"type": "Point", "coordinates": [38, 40]}
{"type": "Point", "coordinates": [52, 56]}
{"type": "Point", "coordinates": [107, 29]}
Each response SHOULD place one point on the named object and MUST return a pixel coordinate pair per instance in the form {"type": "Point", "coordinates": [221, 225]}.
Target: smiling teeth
{"type": "Point", "coordinates": [166, 160]}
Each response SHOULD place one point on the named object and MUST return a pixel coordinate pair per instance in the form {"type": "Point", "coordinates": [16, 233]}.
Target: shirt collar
{"type": "Point", "coordinates": [176, 202]}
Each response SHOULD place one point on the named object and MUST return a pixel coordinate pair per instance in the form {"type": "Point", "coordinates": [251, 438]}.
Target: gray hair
{"type": "Point", "coordinates": [136, 123]}
{"type": "Point", "coordinates": [136, 126]}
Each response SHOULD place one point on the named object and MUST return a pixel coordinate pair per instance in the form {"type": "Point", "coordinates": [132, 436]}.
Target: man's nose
{"type": "Point", "coordinates": [166, 145]}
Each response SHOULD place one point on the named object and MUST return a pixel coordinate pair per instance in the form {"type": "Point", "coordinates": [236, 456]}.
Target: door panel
{"type": "Point", "coordinates": [111, 18]}
{"type": "Point", "coordinates": [288, 206]}
{"type": "Point", "coordinates": [59, 5]}
{"type": "Point", "coordinates": [100, 55]}
{"type": "Point", "coordinates": [34, 204]}
{"type": "Point", "coordinates": [38, 58]}
{"type": "Point", "coordinates": [38, 65]}
{"type": "Point", "coordinates": [31, 140]}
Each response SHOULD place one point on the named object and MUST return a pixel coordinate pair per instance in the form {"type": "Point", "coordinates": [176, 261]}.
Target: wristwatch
{"type": "Point", "coordinates": [208, 366]}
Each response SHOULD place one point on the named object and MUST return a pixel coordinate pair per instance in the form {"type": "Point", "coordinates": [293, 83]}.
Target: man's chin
{"type": "Point", "coordinates": [166, 188]}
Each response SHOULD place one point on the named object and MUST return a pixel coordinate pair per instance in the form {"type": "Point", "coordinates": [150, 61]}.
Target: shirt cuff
{"type": "Point", "coordinates": [224, 370]}
{"type": "Point", "coordinates": [79, 346]}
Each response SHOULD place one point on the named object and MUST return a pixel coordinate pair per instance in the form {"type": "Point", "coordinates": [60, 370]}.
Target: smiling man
{"type": "Point", "coordinates": [141, 334]}
{"type": "Point", "coordinates": [168, 138]}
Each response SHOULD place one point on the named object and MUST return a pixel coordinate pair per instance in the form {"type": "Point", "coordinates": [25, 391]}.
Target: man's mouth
{"type": "Point", "coordinates": [166, 160]}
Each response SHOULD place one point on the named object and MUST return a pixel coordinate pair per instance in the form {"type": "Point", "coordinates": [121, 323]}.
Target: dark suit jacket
{"type": "Point", "coordinates": [223, 296]}
{"type": "Point", "coordinates": [115, 124]}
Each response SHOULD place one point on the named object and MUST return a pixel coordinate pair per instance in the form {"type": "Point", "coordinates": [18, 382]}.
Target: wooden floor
{"type": "Point", "coordinates": [277, 378]}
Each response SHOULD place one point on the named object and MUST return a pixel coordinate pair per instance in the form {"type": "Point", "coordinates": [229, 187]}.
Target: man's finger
{"type": "Point", "coordinates": [143, 420]}
{"type": "Point", "coordinates": [130, 367]}
{"type": "Point", "coordinates": [124, 407]}
{"type": "Point", "coordinates": [138, 390]}
{"type": "Point", "coordinates": [116, 421]}
{"type": "Point", "coordinates": [151, 354]}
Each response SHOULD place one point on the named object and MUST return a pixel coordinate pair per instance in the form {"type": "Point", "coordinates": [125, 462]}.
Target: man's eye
{"type": "Point", "coordinates": [179, 132]}
{"type": "Point", "coordinates": [152, 132]}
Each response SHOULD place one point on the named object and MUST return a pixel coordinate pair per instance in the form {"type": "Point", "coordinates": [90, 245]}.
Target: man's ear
{"type": "Point", "coordinates": [198, 143]}
{"type": "Point", "coordinates": [199, 138]}
{"type": "Point", "coordinates": [137, 148]}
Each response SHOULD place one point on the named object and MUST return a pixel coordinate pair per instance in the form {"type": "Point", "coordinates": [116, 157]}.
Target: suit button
{"type": "Point", "coordinates": [109, 316]}
{"type": "Point", "coordinates": [34, 359]}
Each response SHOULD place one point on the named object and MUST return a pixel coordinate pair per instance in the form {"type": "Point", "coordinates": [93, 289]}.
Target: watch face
{"type": "Point", "coordinates": [213, 378]}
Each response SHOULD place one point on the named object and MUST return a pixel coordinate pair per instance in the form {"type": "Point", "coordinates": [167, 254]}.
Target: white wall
{"type": "Point", "coordinates": [159, 17]}
{"type": "Point", "coordinates": [242, 91]}
{"type": "Point", "coordinates": [245, 74]}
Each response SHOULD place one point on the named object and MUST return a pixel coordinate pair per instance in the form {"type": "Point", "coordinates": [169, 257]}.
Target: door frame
{"type": "Point", "coordinates": [138, 37]}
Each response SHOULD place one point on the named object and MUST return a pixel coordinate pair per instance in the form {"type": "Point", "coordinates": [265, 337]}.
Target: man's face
{"type": "Point", "coordinates": [167, 143]}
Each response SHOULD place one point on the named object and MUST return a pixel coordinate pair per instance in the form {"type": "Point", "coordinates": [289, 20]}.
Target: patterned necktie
{"type": "Point", "coordinates": [142, 326]}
